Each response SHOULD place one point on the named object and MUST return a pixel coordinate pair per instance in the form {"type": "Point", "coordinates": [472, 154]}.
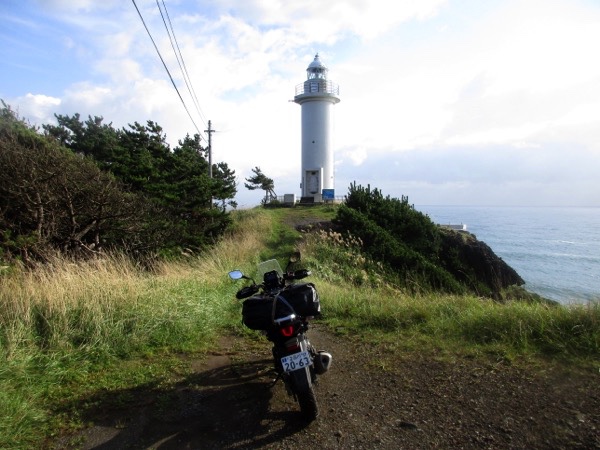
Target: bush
{"type": "Point", "coordinates": [398, 217]}
{"type": "Point", "coordinates": [84, 186]}
{"type": "Point", "coordinates": [416, 272]}
{"type": "Point", "coordinates": [424, 256]}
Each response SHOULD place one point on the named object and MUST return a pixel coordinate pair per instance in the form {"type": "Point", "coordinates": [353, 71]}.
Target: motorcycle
{"type": "Point", "coordinates": [281, 309]}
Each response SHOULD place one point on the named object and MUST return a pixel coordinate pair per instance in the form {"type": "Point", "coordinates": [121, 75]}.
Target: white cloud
{"type": "Point", "coordinates": [357, 155]}
{"type": "Point", "coordinates": [517, 74]}
{"type": "Point", "coordinates": [326, 22]}
{"type": "Point", "coordinates": [545, 45]}
{"type": "Point", "coordinates": [87, 97]}
{"type": "Point", "coordinates": [470, 100]}
{"type": "Point", "coordinates": [38, 108]}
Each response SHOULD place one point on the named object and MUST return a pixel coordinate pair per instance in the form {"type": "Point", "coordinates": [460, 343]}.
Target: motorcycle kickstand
{"type": "Point", "coordinates": [274, 382]}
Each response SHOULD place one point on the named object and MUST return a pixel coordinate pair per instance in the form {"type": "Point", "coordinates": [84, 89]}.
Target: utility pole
{"type": "Point", "coordinates": [210, 131]}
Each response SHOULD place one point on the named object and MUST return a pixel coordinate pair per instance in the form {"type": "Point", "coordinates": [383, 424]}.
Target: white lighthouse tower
{"type": "Point", "coordinates": [316, 96]}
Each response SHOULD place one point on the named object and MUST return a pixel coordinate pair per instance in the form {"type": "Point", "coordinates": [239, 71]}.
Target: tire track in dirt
{"type": "Point", "coordinates": [371, 398]}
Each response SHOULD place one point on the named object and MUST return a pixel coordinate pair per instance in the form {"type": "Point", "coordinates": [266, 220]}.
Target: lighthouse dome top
{"type": "Point", "coordinates": [316, 69]}
{"type": "Point", "coordinates": [317, 87]}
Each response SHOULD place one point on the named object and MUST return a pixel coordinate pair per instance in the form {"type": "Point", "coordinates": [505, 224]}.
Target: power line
{"type": "Point", "coordinates": [180, 60]}
{"type": "Point", "coordinates": [167, 69]}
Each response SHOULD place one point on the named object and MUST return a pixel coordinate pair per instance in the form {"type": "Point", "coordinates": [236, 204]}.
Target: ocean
{"type": "Point", "coordinates": [556, 250]}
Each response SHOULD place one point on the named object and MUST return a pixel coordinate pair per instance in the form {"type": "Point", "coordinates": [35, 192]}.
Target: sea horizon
{"type": "Point", "coordinates": [555, 249]}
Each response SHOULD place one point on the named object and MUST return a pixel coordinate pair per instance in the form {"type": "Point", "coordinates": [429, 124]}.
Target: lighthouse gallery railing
{"type": "Point", "coordinates": [318, 87]}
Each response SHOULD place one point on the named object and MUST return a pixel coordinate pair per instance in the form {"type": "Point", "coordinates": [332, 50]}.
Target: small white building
{"type": "Point", "coordinates": [455, 227]}
{"type": "Point", "coordinates": [316, 96]}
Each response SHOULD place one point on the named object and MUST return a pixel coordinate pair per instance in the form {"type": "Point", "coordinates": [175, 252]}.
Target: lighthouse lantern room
{"type": "Point", "coordinates": [316, 96]}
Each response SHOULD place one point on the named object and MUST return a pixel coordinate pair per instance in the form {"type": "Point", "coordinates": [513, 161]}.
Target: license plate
{"type": "Point", "coordinates": [296, 361]}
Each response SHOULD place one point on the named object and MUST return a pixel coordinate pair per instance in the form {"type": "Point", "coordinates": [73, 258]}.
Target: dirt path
{"type": "Point", "coordinates": [370, 399]}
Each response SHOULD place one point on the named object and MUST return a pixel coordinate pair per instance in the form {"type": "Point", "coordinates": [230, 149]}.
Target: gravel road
{"type": "Point", "coordinates": [372, 398]}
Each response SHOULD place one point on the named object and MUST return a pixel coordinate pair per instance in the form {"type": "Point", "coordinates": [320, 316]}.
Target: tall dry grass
{"type": "Point", "coordinates": [240, 248]}
{"type": "Point", "coordinates": [66, 304]}
{"type": "Point", "coordinates": [39, 307]}
{"type": "Point", "coordinates": [66, 319]}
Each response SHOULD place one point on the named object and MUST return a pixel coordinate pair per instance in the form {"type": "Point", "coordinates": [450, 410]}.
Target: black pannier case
{"type": "Point", "coordinates": [256, 312]}
{"type": "Point", "coordinates": [303, 298]}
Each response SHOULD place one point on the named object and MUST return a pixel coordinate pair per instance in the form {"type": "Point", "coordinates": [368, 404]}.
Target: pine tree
{"type": "Point", "coordinates": [260, 181]}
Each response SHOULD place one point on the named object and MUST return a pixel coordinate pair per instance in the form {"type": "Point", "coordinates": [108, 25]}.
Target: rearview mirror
{"type": "Point", "coordinates": [295, 257]}
{"type": "Point", "coordinates": [236, 275]}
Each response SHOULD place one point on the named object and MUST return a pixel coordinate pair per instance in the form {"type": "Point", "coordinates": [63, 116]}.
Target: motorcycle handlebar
{"type": "Point", "coordinates": [297, 274]}
{"type": "Point", "coordinates": [246, 292]}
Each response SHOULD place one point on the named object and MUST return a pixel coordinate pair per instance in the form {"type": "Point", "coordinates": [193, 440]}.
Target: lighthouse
{"type": "Point", "coordinates": [316, 96]}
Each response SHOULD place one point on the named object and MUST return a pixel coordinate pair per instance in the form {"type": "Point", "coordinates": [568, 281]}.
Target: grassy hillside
{"type": "Point", "coordinates": [69, 330]}
{"type": "Point", "coordinates": [360, 297]}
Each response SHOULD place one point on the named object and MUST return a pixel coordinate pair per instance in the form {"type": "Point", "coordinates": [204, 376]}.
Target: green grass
{"type": "Point", "coordinates": [464, 323]}
{"type": "Point", "coordinates": [284, 238]}
{"type": "Point", "coordinates": [72, 332]}
{"type": "Point", "coordinates": [359, 297]}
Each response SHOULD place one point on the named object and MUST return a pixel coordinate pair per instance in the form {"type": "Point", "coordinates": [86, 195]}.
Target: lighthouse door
{"type": "Point", "coordinates": [313, 182]}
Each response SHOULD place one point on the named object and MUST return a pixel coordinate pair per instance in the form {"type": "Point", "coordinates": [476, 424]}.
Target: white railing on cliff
{"type": "Point", "coordinates": [338, 199]}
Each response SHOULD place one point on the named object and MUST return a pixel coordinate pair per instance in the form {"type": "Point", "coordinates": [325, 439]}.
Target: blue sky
{"type": "Point", "coordinates": [448, 102]}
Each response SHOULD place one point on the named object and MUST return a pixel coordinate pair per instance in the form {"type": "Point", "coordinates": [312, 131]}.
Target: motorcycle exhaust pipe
{"type": "Point", "coordinates": [322, 362]}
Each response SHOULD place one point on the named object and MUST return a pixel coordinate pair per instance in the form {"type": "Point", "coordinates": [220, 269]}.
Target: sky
{"type": "Point", "coordinates": [448, 102]}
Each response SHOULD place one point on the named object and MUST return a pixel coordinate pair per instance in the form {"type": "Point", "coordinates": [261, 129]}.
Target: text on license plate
{"type": "Point", "coordinates": [295, 361]}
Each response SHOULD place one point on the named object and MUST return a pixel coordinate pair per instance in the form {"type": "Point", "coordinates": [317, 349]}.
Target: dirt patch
{"type": "Point", "coordinates": [371, 398]}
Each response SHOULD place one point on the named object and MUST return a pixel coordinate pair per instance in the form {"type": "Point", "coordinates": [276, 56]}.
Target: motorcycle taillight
{"type": "Point", "coordinates": [287, 331]}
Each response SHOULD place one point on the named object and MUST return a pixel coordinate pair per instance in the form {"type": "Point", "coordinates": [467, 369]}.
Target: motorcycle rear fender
{"type": "Point", "coordinates": [301, 380]}
{"type": "Point", "coordinates": [299, 343]}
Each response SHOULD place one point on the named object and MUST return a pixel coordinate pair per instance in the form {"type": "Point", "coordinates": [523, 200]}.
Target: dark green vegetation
{"type": "Point", "coordinates": [423, 256]}
{"type": "Point", "coordinates": [83, 185]}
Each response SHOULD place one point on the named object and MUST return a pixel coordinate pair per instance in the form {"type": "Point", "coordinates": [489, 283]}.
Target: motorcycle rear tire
{"type": "Point", "coordinates": [308, 404]}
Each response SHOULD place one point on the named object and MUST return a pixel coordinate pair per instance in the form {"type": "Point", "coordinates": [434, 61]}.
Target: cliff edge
{"type": "Point", "coordinates": [474, 264]}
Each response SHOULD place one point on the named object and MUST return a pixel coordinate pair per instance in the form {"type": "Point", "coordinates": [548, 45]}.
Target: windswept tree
{"type": "Point", "coordinates": [86, 185]}
{"type": "Point", "coordinates": [53, 198]}
{"type": "Point", "coordinates": [260, 181]}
